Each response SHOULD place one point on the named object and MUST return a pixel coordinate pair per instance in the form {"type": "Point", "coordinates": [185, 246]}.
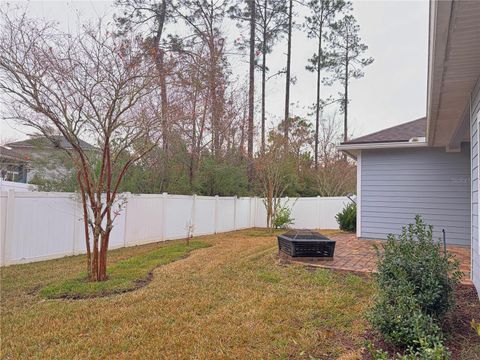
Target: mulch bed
{"type": "Point", "coordinates": [459, 333]}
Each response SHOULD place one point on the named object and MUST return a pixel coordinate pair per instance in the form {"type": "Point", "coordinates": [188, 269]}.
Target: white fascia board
{"type": "Point", "coordinates": [387, 145]}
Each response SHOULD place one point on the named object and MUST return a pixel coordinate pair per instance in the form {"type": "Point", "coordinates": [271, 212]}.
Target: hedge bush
{"type": "Point", "coordinates": [347, 218]}
{"type": "Point", "coordinates": [416, 280]}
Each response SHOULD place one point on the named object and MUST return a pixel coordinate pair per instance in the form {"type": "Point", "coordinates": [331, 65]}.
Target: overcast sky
{"type": "Point", "coordinates": [393, 90]}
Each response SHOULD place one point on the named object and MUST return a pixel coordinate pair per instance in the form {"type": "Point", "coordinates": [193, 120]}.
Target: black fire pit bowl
{"type": "Point", "coordinates": [306, 244]}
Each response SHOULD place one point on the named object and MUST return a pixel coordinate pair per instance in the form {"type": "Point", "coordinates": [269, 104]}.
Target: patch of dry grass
{"type": "Point", "coordinates": [230, 300]}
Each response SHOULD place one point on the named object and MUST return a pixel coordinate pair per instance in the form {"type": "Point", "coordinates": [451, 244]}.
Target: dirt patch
{"type": "Point", "coordinates": [463, 341]}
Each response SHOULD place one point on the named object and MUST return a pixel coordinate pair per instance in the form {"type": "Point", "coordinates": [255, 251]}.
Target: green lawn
{"type": "Point", "coordinates": [124, 275]}
{"type": "Point", "coordinates": [230, 300]}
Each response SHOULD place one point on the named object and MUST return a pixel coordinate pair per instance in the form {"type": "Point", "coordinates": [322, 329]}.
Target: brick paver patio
{"type": "Point", "coordinates": [352, 254]}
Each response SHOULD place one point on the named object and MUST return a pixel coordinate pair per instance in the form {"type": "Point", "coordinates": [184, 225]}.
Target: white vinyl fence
{"type": "Point", "coordinates": [11, 185]}
{"type": "Point", "coordinates": [46, 225]}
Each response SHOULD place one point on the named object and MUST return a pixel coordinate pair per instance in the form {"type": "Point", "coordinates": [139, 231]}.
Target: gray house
{"type": "Point", "coordinates": [430, 166]}
{"type": "Point", "coordinates": [45, 157]}
{"type": "Point", "coordinates": [13, 166]}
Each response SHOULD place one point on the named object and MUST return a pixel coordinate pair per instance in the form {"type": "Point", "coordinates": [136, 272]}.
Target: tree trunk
{"type": "Point", "coordinates": [269, 205]}
{"type": "Point", "coordinates": [194, 140]}
{"type": "Point", "coordinates": [95, 255]}
{"type": "Point", "coordinates": [287, 85]}
{"type": "Point", "coordinates": [102, 266]}
{"type": "Point", "coordinates": [251, 92]}
{"type": "Point", "coordinates": [345, 103]}
{"type": "Point", "coordinates": [264, 70]}
{"type": "Point", "coordinates": [85, 223]}
{"type": "Point", "coordinates": [164, 102]}
{"type": "Point", "coordinates": [214, 112]}
{"type": "Point", "coordinates": [317, 109]}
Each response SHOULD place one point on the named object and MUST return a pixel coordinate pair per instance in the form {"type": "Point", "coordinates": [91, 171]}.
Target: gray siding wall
{"type": "Point", "coordinates": [397, 184]}
{"type": "Point", "coordinates": [475, 110]}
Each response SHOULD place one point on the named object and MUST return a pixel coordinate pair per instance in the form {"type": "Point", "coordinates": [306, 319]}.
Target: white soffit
{"type": "Point", "coordinates": [454, 65]}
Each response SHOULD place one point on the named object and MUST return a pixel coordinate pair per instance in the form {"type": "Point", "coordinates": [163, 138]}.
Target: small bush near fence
{"type": "Point", "coordinates": [347, 218]}
{"type": "Point", "coordinates": [416, 280]}
{"type": "Point", "coordinates": [283, 218]}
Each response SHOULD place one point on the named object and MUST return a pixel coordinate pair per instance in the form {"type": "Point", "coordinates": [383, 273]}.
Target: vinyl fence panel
{"type": "Point", "coordinates": [204, 220]}
{"type": "Point", "coordinates": [225, 214]}
{"type": "Point", "coordinates": [43, 226]}
{"type": "Point", "coordinates": [242, 215]}
{"type": "Point", "coordinates": [11, 185]}
{"type": "Point", "coordinates": [38, 226]}
{"type": "Point", "coordinates": [177, 216]}
{"type": "Point", "coordinates": [144, 219]}
{"type": "Point", "coordinates": [304, 212]}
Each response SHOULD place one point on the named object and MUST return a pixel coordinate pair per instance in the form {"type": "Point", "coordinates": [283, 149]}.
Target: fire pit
{"type": "Point", "coordinates": [306, 243]}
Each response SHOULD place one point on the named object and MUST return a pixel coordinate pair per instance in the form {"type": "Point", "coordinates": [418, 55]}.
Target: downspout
{"type": "Point", "coordinates": [471, 190]}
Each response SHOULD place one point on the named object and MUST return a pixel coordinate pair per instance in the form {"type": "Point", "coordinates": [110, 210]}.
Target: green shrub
{"type": "Point", "coordinates": [416, 280]}
{"type": "Point", "coordinates": [437, 351]}
{"type": "Point", "coordinates": [416, 261]}
{"type": "Point", "coordinates": [397, 316]}
{"type": "Point", "coordinates": [427, 351]}
{"type": "Point", "coordinates": [282, 218]}
{"type": "Point", "coordinates": [347, 218]}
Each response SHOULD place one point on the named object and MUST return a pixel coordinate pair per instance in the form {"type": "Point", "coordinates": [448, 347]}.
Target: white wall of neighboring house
{"type": "Point", "coordinates": [38, 226]}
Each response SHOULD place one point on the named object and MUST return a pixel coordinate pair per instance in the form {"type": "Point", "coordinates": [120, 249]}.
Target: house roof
{"type": "Point", "coordinates": [11, 154]}
{"type": "Point", "coordinates": [400, 133]}
{"type": "Point", "coordinates": [410, 134]}
{"type": "Point", "coordinates": [42, 141]}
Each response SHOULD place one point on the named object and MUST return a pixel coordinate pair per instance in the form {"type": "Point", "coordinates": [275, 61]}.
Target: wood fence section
{"type": "Point", "coordinates": [37, 226]}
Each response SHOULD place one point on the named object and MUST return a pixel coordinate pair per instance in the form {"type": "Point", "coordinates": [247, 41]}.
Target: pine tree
{"type": "Point", "coordinates": [317, 24]}
{"type": "Point", "coordinates": [348, 50]}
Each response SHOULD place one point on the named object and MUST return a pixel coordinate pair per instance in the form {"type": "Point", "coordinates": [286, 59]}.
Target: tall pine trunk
{"type": "Point", "coordinates": [287, 84]}
{"type": "Point", "coordinates": [251, 92]}
{"type": "Point", "coordinates": [264, 70]}
{"type": "Point", "coordinates": [317, 109]}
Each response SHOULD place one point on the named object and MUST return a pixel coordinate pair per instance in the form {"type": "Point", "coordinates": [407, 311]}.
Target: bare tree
{"type": "Point", "coordinates": [150, 18]}
{"type": "Point", "coordinates": [205, 18]}
{"type": "Point", "coordinates": [334, 176]}
{"type": "Point", "coordinates": [273, 174]}
{"type": "Point", "coordinates": [90, 85]}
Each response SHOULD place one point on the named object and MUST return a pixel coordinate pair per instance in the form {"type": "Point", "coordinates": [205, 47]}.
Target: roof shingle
{"type": "Point", "coordinates": [43, 142]}
{"type": "Point", "coordinates": [7, 153]}
{"type": "Point", "coordinates": [400, 133]}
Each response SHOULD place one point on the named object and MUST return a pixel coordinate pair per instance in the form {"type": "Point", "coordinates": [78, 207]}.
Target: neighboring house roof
{"type": "Point", "coordinates": [43, 142]}
{"type": "Point", "coordinates": [11, 154]}
{"type": "Point", "coordinates": [400, 133]}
